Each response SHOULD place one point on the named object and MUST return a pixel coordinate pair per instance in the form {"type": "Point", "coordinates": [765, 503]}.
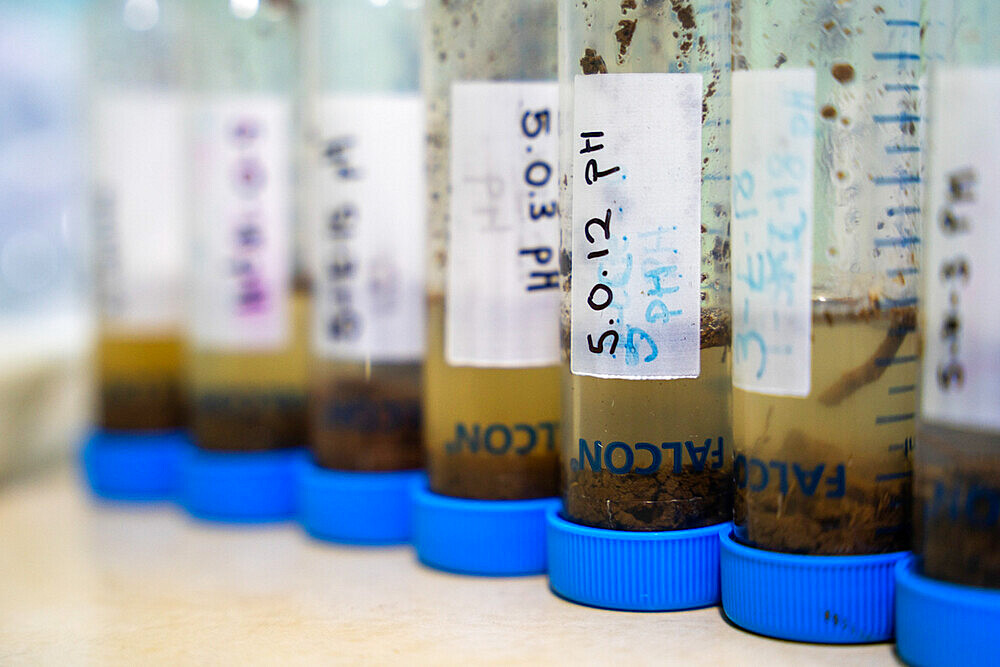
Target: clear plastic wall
{"type": "Point", "coordinates": [957, 466]}
{"type": "Point", "coordinates": [139, 206]}
{"type": "Point", "coordinates": [248, 319]}
{"type": "Point", "coordinates": [826, 206]}
{"type": "Point", "coordinates": [491, 375]}
{"type": "Point", "coordinates": [365, 164]}
{"type": "Point", "coordinates": [648, 437]}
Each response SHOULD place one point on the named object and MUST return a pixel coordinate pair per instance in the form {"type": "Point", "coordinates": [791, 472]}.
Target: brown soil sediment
{"type": "Point", "coordinates": [365, 426]}
{"type": "Point", "coordinates": [142, 406]}
{"type": "Point", "coordinates": [660, 501]}
{"type": "Point", "coordinates": [843, 72]}
{"type": "Point", "coordinates": [685, 14]}
{"type": "Point", "coordinates": [486, 476]}
{"type": "Point", "coordinates": [867, 520]}
{"type": "Point", "coordinates": [624, 35]}
{"type": "Point", "coordinates": [871, 517]}
{"type": "Point", "coordinates": [248, 421]}
{"type": "Point", "coordinates": [873, 513]}
{"type": "Point", "coordinates": [958, 531]}
{"type": "Point", "coordinates": [592, 63]}
{"type": "Point", "coordinates": [715, 327]}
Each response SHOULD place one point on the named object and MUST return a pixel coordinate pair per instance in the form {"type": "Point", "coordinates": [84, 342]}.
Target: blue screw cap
{"type": "Point", "coordinates": [939, 623]}
{"type": "Point", "coordinates": [819, 599]}
{"type": "Point", "coordinates": [357, 507]}
{"type": "Point", "coordinates": [634, 571]}
{"type": "Point", "coordinates": [134, 466]}
{"type": "Point", "coordinates": [240, 487]}
{"type": "Point", "coordinates": [480, 537]}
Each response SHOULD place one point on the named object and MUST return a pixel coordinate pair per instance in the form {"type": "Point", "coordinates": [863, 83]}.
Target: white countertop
{"type": "Point", "coordinates": [82, 582]}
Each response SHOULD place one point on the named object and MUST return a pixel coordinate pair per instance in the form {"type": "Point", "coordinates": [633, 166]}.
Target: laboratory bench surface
{"type": "Point", "coordinates": [87, 582]}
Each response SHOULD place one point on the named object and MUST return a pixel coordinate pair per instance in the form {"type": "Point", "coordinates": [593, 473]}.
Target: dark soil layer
{"type": "Point", "coordinates": [249, 421]}
{"type": "Point", "coordinates": [486, 476]}
{"type": "Point", "coordinates": [958, 525]}
{"type": "Point", "coordinates": [366, 426]}
{"type": "Point", "coordinates": [869, 519]}
{"type": "Point", "coordinates": [660, 501]}
{"type": "Point", "coordinates": [142, 406]}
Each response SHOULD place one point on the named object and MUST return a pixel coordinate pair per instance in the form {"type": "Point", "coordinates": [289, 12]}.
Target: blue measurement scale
{"type": "Point", "coordinates": [876, 207]}
{"type": "Point", "coordinates": [898, 125]}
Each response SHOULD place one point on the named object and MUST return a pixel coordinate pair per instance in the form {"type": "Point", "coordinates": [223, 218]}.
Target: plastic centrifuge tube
{"type": "Point", "coordinates": [948, 597]}
{"type": "Point", "coordinates": [491, 376]}
{"type": "Point", "coordinates": [645, 320]}
{"type": "Point", "coordinates": [139, 210]}
{"type": "Point", "coordinates": [826, 204]}
{"type": "Point", "coordinates": [366, 167]}
{"type": "Point", "coordinates": [249, 343]}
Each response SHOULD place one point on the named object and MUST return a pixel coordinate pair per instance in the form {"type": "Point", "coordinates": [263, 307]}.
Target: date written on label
{"type": "Point", "coordinates": [369, 227]}
{"type": "Point", "coordinates": [773, 229]}
{"type": "Point", "coordinates": [953, 274]}
{"type": "Point", "coordinates": [614, 260]}
{"type": "Point", "coordinates": [248, 227]}
{"type": "Point", "coordinates": [636, 222]}
{"type": "Point", "coordinates": [340, 274]}
{"type": "Point", "coordinates": [961, 369]}
{"type": "Point", "coordinates": [602, 295]}
{"type": "Point", "coordinates": [615, 272]}
{"type": "Point", "coordinates": [242, 224]}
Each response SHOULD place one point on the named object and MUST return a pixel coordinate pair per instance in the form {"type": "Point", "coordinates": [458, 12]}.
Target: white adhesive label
{"type": "Point", "coordinates": [773, 143]}
{"type": "Point", "coordinates": [242, 223]}
{"type": "Point", "coordinates": [961, 371]}
{"type": "Point", "coordinates": [503, 269]}
{"type": "Point", "coordinates": [369, 294]}
{"type": "Point", "coordinates": [140, 209]}
{"type": "Point", "coordinates": [636, 226]}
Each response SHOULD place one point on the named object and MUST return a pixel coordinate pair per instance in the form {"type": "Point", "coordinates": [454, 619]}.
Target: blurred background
{"type": "Point", "coordinates": [96, 191]}
{"type": "Point", "coordinates": [47, 322]}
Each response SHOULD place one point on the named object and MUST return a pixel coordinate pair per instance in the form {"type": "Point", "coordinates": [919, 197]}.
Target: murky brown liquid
{"type": "Point", "coordinates": [141, 386]}
{"type": "Point", "coordinates": [957, 493]}
{"type": "Point", "coordinates": [491, 433]}
{"type": "Point", "coordinates": [687, 484]}
{"type": "Point", "coordinates": [830, 473]}
{"type": "Point", "coordinates": [253, 401]}
{"type": "Point", "coordinates": [366, 417]}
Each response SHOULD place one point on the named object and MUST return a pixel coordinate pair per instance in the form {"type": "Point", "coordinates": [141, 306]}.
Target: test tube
{"type": "Point", "coordinates": [826, 204]}
{"type": "Point", "coordinates": [139, 213]}
{"type": "Point", "coordinates": [948, 597]}
{"type": "Point", "coordinates": [366, 164]}
{"type": "Point", "coordinates": [491, 374]}
{"type": "Point", "coordinates": [645, 318]}
{"type": "Point", "coordinates": [249, 358]}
